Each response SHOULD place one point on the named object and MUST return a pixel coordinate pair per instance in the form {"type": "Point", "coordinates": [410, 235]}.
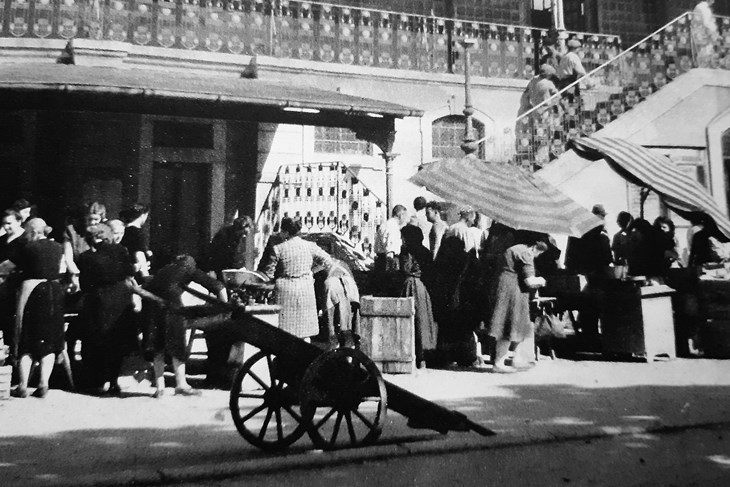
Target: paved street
{"type": "Point", "coordinates": [71, 439]}
{"type": "Point", "coordinates": [631, 460]}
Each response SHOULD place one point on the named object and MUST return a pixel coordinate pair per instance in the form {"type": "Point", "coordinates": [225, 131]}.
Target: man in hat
{"type": "Point", "coordinates": [570, 70]}
{"type": "Point", "coordinates": [539, 89]}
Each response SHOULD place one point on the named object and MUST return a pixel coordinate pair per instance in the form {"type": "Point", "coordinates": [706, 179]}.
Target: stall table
{"type": "Point", "coordinates": [713, 296]}
{"type": "Point", "coordinates": [637, 320]}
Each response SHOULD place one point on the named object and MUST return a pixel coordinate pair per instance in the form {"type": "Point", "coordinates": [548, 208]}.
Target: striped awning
{"type": "Point", "coordinates": [639, 165]}
{"type": "Point", "coordinates": [506, 194]}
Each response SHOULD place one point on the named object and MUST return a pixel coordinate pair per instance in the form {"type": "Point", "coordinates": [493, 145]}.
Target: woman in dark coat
{"type": "Point", "coordinates": [39, 319]}
{"type": "Point", "coordinates": [108, 310]}
{"type": "Point", "coordinates": [416, 265]}
{"type": "Point", "coordinates": [510, 296]}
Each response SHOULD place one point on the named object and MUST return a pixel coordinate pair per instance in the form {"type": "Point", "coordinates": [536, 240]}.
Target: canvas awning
{"type": "Point", "coordinates": [641, 166]}
{"type": "Point", "coordinates": [61, 86]}
{"type": "Point", "coordinates": [506, 194]}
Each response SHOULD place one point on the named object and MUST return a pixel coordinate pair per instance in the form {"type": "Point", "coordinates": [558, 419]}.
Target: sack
{"type": "Point", "coordinates": [548, 324]}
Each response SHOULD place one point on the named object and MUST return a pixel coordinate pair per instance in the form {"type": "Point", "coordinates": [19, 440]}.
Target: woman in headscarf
{"type": "Point", "coordinates": [107, 313]}
{"type": "Point", "coordinates": [39, 317]}
{"type": "Point", "coordinates": [416, 266]}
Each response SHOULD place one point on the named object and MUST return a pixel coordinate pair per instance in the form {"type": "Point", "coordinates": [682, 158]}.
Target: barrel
{"type": "Point", "coordinates": [388, 334]}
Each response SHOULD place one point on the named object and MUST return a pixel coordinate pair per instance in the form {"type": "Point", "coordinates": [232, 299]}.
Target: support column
{"type": "Point", "coordinates": [468, 145]}
{"type": "Point", "coordinates": [388, 157]}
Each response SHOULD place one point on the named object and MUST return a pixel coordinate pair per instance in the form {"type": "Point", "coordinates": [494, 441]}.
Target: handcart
{"type": "Point", "coordinates": [338, 397]}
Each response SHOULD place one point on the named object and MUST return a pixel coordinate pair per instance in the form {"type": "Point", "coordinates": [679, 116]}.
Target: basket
{"type": "Point", "coordinates": [239, 277]}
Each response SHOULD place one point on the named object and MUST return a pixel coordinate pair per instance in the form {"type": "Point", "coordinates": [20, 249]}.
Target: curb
{"type": "Point", "coordinates": [317, 458]}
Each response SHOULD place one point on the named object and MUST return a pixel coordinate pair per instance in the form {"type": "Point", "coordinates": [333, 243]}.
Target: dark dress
{"type": "Point", "coordinates": [39, 319]}
{"type": "Point", "coordinates": [455, 297]}
{"type": "Point", "coordinates": [107, 316]}
{"type": "Point", "coordinates": [510, 318]}
{"type": "Point", "coordinates": [415, 264]}
{"type": "Point", "coordinates": [164, 331]}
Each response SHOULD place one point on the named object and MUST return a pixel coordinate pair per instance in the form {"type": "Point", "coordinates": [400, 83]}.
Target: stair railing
{"type": "Point", "coordinates": [506, 150]}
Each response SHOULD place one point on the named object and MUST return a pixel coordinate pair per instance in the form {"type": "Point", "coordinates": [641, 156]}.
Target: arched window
{"type": "Point", "coordinates": [448, 134]}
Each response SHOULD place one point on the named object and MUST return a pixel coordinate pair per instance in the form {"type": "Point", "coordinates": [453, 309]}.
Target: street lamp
{"type": "Point", "coordinates": [469, 146]}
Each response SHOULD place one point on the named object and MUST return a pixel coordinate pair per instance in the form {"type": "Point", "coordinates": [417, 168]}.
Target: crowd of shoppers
{"type": "Point", "coordinates": [88, 288]}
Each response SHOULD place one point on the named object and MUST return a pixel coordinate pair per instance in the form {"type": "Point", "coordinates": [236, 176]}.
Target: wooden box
{"type": "Point", "coordinates": [638, 321]}
{"type": "Point", "coordinates": [387, 333]}
{"type": "Point", "coordinates": [6, 372]}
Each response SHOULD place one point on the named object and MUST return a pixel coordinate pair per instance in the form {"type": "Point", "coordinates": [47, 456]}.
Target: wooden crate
{"type": "Point", "coordinates": [387, 333]}
{"type": "Point", "coordinates": [6, 372]}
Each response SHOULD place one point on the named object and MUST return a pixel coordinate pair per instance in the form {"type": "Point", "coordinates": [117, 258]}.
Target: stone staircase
{"type": "Point", "coordinates": [607, 92]}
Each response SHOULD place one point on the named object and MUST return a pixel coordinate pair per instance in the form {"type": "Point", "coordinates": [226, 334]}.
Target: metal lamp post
{"type": "Point", "coordinates": [469, 146]}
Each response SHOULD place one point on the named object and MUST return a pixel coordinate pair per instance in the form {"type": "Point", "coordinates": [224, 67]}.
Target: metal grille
{"type": "Point", "coordinates": [340, 140]}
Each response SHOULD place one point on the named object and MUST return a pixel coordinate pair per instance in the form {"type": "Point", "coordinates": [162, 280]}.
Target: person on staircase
{"type": "Point", "coordinates": [571, 70]}
{"type": "Point", "coordinates": [704, 33]}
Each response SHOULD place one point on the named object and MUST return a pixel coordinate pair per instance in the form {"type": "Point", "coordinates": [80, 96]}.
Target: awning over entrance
{"type": "Point", "coordinates": [54, 86]}
{"type": "Point", "coordinates": [645, 168]}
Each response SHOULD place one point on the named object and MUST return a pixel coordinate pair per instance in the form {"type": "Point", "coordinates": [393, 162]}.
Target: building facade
{"type": "Point", "coordinates": [194, 106]}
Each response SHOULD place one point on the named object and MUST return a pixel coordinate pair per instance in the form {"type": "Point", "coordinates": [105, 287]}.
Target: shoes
{"type": "Point", "coordinates": [523, 366]}
{"type": "Point", "coordinates": [40, 392]}
{"type": "Point", "coordinates": [519, 367]}
{"type": "Point", "coordinates": [158, 393]}
{"type": "Point", "coordinates": [20, 392]}
{"type": "Point", "coordinates": [187, 391]}
{"type": "Point", "coordinates": [503, 369]}
{"type": "Point", "coordinates": [114, 390]}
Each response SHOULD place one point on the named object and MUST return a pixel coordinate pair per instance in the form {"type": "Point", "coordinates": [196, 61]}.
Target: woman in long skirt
{"type": "Point", "coordinates": [510, 298]}
{"type": "Point", "coordinates": [108, 309]}
{"type": "Point", "coordinates": [415, 264]}
{"type": "Point", "coordinates": [39, 313]}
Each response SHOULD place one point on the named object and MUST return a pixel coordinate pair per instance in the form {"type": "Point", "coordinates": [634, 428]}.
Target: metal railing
{"type": "Point", "coordinates": [312, 31]}
{"type": "Point", "coordinates": [540, 134]}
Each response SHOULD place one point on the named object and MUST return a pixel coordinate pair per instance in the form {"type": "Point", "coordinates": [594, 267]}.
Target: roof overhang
{"type": "Point", "coordinates": [129, 90]}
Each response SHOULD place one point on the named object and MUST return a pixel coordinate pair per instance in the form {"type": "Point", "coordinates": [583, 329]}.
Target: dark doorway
{"type": "Point", "coordinates": [180, 211]}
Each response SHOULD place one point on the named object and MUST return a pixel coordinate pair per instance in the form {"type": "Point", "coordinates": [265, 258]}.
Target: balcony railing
{"type": "Point", "coordinates": [291, 29]}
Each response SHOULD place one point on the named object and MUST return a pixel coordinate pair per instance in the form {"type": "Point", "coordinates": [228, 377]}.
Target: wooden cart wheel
{"type": "Point", "coordinates": [263, 406]}
{"type": "Point", "coordinates": [344, 401]}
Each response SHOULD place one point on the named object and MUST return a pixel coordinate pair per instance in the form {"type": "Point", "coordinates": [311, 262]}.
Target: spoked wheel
{"type": "Point", "coordinates": [263, 406]}
{"type": "Point", "coordinates": [343, 399]}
